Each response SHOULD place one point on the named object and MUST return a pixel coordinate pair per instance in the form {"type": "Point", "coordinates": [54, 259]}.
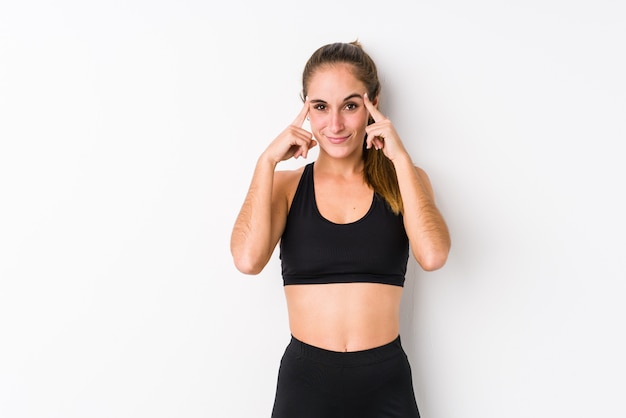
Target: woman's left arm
{"type": "Point", "coordinates": [424, 224]}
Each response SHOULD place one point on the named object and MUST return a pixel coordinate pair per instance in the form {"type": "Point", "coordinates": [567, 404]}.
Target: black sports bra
{"type": "Point", "coordinates": [314, 250]}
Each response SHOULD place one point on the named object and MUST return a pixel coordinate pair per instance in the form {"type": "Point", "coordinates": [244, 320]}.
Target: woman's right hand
{"type": "Point", "coordinates": [294, 141]}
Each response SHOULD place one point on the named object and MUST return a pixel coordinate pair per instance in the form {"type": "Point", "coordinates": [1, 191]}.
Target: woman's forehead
{"type": "Point", "coordinates": [336, 81]}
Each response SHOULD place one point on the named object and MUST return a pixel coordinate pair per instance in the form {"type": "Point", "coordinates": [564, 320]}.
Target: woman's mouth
{"type": "Point", "coordinates": [337, 139]}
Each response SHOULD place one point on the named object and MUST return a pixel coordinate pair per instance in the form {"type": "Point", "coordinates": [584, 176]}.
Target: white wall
{"type": "Point", "coordinates": [129, 131]}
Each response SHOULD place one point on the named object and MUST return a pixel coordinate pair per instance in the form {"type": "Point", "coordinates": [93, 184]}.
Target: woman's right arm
{"type": "Point", "coordinates": [262, 217]}
{"type": "Point", "coordinates": [258, 225]}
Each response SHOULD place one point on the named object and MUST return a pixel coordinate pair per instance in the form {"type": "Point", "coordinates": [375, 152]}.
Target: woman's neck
{"type": "Point", "coordinates": [339, 166]}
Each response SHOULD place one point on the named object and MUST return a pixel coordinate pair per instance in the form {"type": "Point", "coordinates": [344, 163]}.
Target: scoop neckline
{"type": "Point", "coordinates": [317, 210]}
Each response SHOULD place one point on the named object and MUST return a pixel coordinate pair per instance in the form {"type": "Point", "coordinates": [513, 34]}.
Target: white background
{"type": "Point", "coordinates": [129, 131]}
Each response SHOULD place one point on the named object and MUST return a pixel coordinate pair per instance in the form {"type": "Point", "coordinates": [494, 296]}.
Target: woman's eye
{"type": "Point", "coordinates": [351, 106]}
{"type": "Point", "coordinates": [319, 107]}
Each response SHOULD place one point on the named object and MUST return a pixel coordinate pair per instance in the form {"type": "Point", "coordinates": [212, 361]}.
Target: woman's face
{"type": "Point", "coordinates": [338, 116]}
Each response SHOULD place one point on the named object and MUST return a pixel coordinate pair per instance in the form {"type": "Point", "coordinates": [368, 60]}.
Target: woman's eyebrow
{"type": "Point", "coordinates": [352, 96]}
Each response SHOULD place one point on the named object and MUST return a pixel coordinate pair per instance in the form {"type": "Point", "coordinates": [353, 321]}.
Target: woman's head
{"type": "Point", "coordinates": [379, 171]}
{"type": "Point", "coordinates": [364, 68]}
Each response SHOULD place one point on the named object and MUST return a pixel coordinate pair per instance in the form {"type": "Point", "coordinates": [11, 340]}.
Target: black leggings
{"type": "Point", "coordinates": [317, 383]}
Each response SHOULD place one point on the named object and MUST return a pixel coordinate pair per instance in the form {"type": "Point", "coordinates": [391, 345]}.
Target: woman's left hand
{"type": "Point", "coordinates": [381, 134]}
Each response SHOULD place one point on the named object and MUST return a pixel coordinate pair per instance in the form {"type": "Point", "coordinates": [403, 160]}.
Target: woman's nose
{"type": "Point", "coordinates": [336, 121]}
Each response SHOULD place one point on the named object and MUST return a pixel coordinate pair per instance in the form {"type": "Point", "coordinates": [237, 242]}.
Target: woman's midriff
{"type": "Point", "coordinates": [344, 316]}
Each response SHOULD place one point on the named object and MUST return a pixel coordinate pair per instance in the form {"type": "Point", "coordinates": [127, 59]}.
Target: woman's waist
{"type": "Point", "coordinates": [376, 354]}
{"type": "Point", "coordinates": [344, 317]}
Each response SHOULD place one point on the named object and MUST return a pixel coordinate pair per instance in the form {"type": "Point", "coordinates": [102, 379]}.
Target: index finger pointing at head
{"type": "Point", "coordinates": [376, 115]}
{"type": "Point", "coordinates": [299, 120]}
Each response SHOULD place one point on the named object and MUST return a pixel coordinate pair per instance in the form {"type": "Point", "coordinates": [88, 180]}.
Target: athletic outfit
{"type": "Point", "coordinates": [313, 250]}
{"type": "Point", "coordinates": [318, 383]}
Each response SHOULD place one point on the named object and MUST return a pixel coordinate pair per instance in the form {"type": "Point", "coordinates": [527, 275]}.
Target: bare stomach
{"type": "Point", "coordinates": [344, 316]}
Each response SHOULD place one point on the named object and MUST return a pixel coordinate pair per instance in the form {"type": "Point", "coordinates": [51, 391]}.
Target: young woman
{"type": "Point", "coordinates": [345, 223]}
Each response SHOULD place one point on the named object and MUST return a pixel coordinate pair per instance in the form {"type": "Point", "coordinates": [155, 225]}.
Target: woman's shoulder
{"type": "Point", "coordinates": [289, 175]}
{"type": "Point", "coordinates": [286, 181]}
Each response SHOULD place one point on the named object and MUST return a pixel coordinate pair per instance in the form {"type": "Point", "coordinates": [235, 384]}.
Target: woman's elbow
{"type": "Point", "coordinates": [433, 260]}
{"type": "Point", "coordinates": [248, 264]}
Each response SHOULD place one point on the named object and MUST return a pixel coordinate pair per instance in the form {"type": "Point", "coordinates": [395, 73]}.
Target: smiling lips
{"type": "Point", "coordinates": [337, 139]}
